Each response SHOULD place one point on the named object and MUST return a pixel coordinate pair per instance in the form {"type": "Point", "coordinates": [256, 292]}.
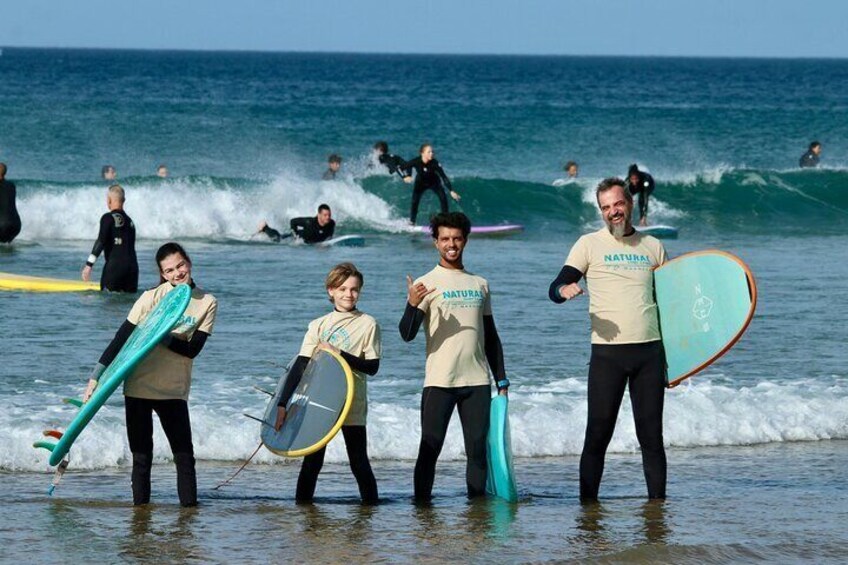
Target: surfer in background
{"type": "Point", "coordinates": [162, 171]}
{"type": "Point", "coordinates": [108, 172]}
{"type": "Point", "coordinates": [162, 381]}
{"type": "Point", "coordinates": [810, 159]}
{"type": "Point", "coordinates": [334, 163]}
{"type": "Point", "coordinates": [462, 348]}
{"type": "Point", "coordinates": [571, 169]}
{"type": "Point", "coordinates": [641, 183]}
{"type": "Point", "coordinates": [618, 264]}
{"type": "Point", "coordinates": [309, 229]}
{"type": "Point", "coordinates": [429, 175]}
{"type": "Point", "coordinates": [356, 337]}
{"type": "Point", "coordinates": [116, 240]}
{"type": "Point", "coordinates": [10, 221]}
{"type": "Point", "coordinates": [393, 163]}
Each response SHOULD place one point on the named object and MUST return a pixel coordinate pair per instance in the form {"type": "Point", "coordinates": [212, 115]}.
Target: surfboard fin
{"type": "Point", "coordinates": [73, 401]}
{"type": "Point", "coordinates": [44, 445]}
{"type": "Point", "coordinates": [53, 433]}
{"type": "Point", "coordinates": [263, 391]}
{"type": "Point", "coordinates": [260, 420]}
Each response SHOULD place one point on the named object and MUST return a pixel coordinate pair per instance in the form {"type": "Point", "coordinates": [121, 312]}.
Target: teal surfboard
{"type": "Point", "coordinates": [144, 338]}
{"type": "Point", "coordinates": [315, 412]}
{"type": "Point", "coordinates": [500, 480]}
{"type": "Point", "coordinates": [705, 301]}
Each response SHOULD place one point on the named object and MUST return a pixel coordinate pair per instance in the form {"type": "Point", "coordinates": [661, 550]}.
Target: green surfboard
{"type": "Point", "coordinates": [144, 338]}
{"type": "Point", "coordinates": [705, 301]}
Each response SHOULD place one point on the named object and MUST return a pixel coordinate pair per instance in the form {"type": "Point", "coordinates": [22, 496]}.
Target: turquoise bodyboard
{"type": "Point", "coordinates": [500, 480]}
{"type": "Point", "coordinates": [144, 338]}
{"type": "Point", "coordinates": [705, 302]}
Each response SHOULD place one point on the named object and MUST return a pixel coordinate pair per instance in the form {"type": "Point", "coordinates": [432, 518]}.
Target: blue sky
{"type": "Point", "coordinates": [736, 28]}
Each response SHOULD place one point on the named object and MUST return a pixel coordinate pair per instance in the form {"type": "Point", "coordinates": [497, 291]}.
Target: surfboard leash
{"type": "Point", "coordinates": [240, 469]}
{"type": "Point", "coordinates": [57, 477]}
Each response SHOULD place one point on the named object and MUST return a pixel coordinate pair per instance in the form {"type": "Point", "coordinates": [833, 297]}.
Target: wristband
{"type": "Point", "coordinates": [503, 383]}
{"type": "Point", "coordinates": [91, 260]}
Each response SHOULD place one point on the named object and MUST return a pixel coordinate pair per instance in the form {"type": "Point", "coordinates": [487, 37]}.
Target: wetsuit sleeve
{"type": "Point", "coordinates": [445, 180]}
{"type": "Point", "coordinates": [567, 275]}
{"type": "Point", "coordinates": [407, 167]}
{"type": "Point", "coordinates": [493, 348]}
{"type": "Point", "coordinates": [121, 337]}
{"type": "Point", "coordinates": [293, 379]}
{"type": "Point", "coordinates": [190, 348]}
{"type": "Point", "coordinates": [106, 222]}
{"type": "Point", "coordinates": [410, 322]}
{"type": "Point", "coordinates": [367, 366]}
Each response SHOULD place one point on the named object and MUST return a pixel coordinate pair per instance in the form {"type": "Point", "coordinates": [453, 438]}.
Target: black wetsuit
{"type": "Point", "coordinates": [808, 160]}
{"type": "Point", "coordinates": [427, 177]}
{"type": "Point", "coordinates": [393, 163]}
{"type": "Point", "coordinates": [10, 221]}
{"type": "Point", "coordinates": [329, 174]}
{"type": "Point", "coordinates": [356, 439]}
{"type": "Point", "coordinates": [117, 242]}
{"type": "Point", "coordinates": [306, 229]}
{"type": "Point", "coordinates": [437, 404]}
{"type": "Point", "coordinates": [612, 368]}
{"type": "Point", "coordinates": [643, 188]}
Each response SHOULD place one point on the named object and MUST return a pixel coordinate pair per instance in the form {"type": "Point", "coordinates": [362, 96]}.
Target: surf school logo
{"type": "Point", "coordinates": [339, 337]}
{"type": "Point", "coordinates": [470, 298]}
{"type": "Point", "coordinates": [185, 324]}
{"type": "Point", "coordinates": [629, 261]}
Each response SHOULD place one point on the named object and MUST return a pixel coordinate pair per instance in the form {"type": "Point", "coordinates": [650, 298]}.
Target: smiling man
{"type": "Point", "coordinates": [462, 348]}
{"type": "Point", "coordinates": [618, 264]}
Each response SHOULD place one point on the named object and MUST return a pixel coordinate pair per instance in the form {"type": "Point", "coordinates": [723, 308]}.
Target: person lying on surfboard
{"type": "Point", "coordinates": [356, 337]}
{"type": "Point", "coordinates": [309, 229]}
{"type": "Point", "coordinates": [162, 381]}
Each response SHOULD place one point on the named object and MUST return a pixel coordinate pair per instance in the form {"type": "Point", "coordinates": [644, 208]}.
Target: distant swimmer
{"type": "Point", "coordinates": [108, 172]}
{"type": "Point", "coordinates": [641, 183]}
{"type": "Point", "coordinates": [117, 242]}
{"type": "Point", "coordinates": [162, 172]}
{"type": "Point", "coordinates": [334, 163]}
{"type": "Point", "coordinates": [356, 337]}
{"type": "Point", "coordinates": [393, 163]}
{"type": "Point", "coordinates": [309, 229]}
{"type": "Point", "coordinates": [10, 221]}
{"type": "Point", "coordinates": [617, 263]}
{"type": "Point", "coordinates": [429, 175]}
{"type": "Point", "coordinates": [571, 169]}
{"type": "Point", "coordinates": [810, 159]}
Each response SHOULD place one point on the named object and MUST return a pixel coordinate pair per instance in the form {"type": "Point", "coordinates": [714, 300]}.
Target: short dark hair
{"type": "Point", "coordinates": [334, 158]}
{"type": "Point", "coordinates": [814, 144]}
{"type": "Point", "coordinates": [382, 146]}
{"type": "Point", "coordinates": [610, 182]}
{"type": "Point", "coordinates": [107, 169]}
{"type": "Point", "coordinates": [633, 170]}
{"type": "Point", "coordinates": [450, 220]}
{"type": "Point", "coordinates": [323, 207]}
{"type": "Point", "coordinates": [570, 164]}
{"type": "Point", "coordinates": [3, 168]}
{"type": "Point", "coordinates": [166, 251]}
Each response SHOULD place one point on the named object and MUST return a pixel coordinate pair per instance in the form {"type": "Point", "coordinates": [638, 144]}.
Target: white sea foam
{"type": "Point", "coordinates": [546, 420]}
{"type": "Point", "coordinates": [199, 208]}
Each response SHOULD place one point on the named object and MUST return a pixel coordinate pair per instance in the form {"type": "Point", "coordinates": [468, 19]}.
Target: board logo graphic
{"type": "Point", "coordinates": [702, 307]}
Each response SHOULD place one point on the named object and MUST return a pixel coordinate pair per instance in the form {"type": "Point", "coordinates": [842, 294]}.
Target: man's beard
{"type": "Point", "coordinates": [618, 231]}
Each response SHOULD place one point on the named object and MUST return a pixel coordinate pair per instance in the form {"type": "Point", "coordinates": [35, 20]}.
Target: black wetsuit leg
{"type": "Point", "coordinates": [418, 192]}
{"type": "Point", "coordinates": [9, 231]}
{"type": "Point", "coordinates": [611, 369]}
{"type": "Point", "coordinates": [119, 276]}
{"type": "Point", "coordinates": [10, 221]}
{"type": "Point", "coordinates": [644, 196]}
{"type": "Point", "coordinates": [437, 406]}
{"type": "Point", "coordinates": [174, 417]}
{"type": "Point", "coordinates": [356, 443]}
{"type": "Point", "coordinates": [274, 234]}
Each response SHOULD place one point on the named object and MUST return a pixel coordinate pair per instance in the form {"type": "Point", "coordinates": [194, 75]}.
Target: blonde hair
{"type": "Point", "coordinates": [117, 191]}
{"type": "Point", "coordinates": [340, 273]}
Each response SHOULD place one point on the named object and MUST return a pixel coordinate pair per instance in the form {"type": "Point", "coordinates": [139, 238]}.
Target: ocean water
{"type": "Point", "coordinates": [756, 443]}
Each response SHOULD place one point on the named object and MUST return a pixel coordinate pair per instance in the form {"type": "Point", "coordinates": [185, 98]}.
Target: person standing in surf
{"type": "Point", "coordinates": [618, 263]}
{"type": "Point", "coordinates": [162, 381]}
{"type": "Point", "coordinates": [463, 347]}
{"type": "Point", "coordinates": [641, 183]}
{"type": "Point", "coordinates": [356, 337]}
{"type": "Point", "coordinates": [116, 239]}
{"type": "Point", "coordinates": [10, 221]}
{"type": "Point", "coordinates": [429, 175]}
